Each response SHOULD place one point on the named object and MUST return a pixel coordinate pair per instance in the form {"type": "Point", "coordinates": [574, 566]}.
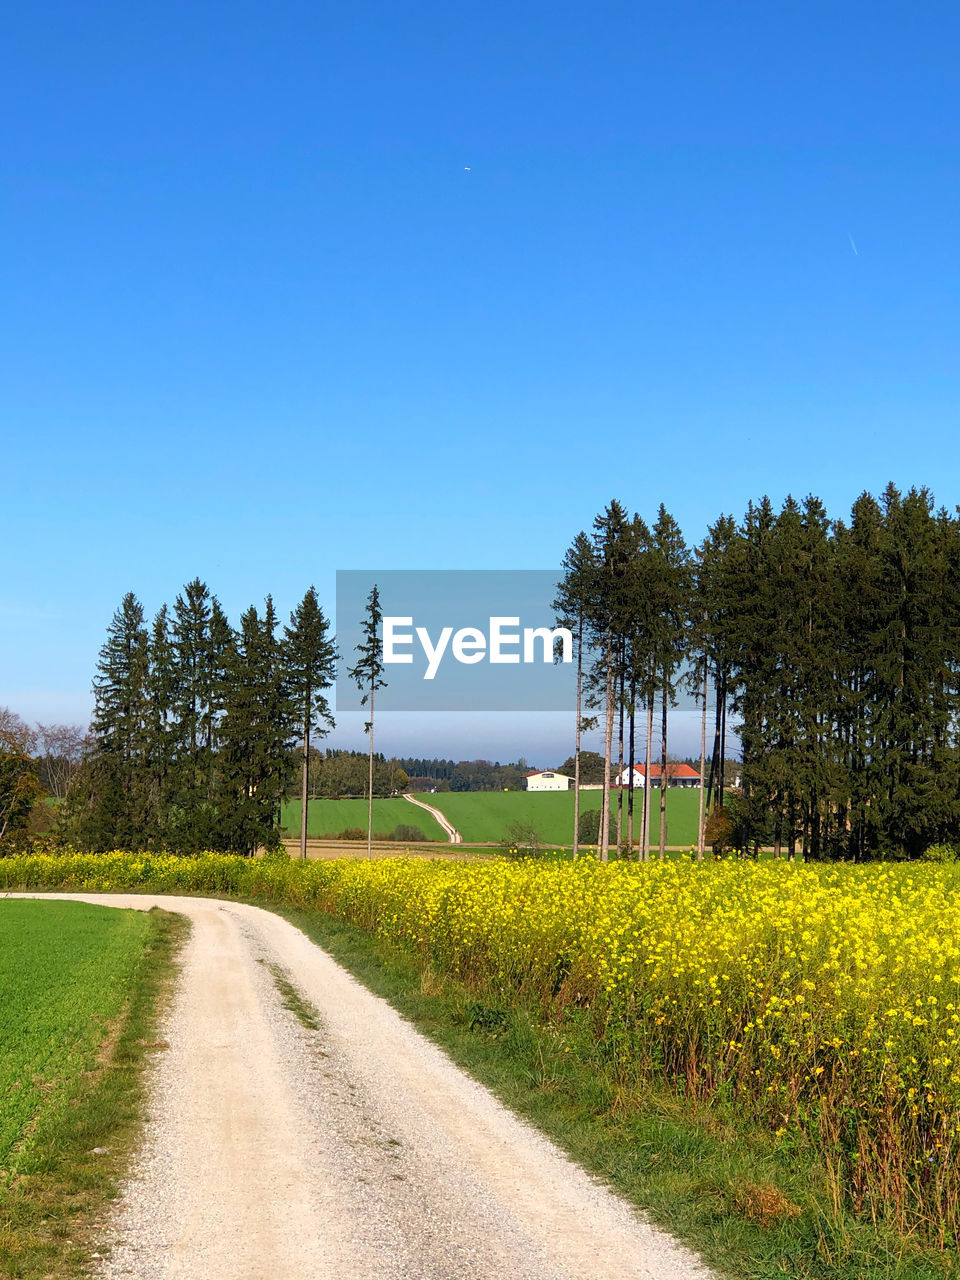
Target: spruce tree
{"type": "Point", "coordinates": [367, 674]}
{"type": "Point", "coordinates": [309, 655]}
{"type": "Point", "coordinates": [160, 750]}
{"type": "Point", "coordinates": [256, 733]}
{"type": "Point", "coordinates": [119, 718]}
{"type": "Point", "coordinates": [573, 605]}
{"type": "Point", "coordinates": [193, 654]}
{"type": "Point", "coordinates": [609, 624]}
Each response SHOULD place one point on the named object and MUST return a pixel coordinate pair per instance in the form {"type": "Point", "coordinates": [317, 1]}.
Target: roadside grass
{"type": "Point", "coordinates": [751, 1210]}
{"type": "Point", "coordinates": [330, 817]}
{"type": "Point", "coordinates": [83, 987]}
{"type": "Point", "coordinates": [486, 815]}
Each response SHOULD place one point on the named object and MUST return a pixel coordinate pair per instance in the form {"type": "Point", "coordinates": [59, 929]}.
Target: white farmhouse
{"type": "Point", "coordinates": [546, 780]}
{"type": "Point", "coordinates": [678, 775]}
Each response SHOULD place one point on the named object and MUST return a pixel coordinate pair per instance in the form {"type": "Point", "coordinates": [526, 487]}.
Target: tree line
{"type": "Point", "coordinates": [463, 775]}
{"type": "Point", "coordinates": [832, 646]}
{"type": "Point", "coordinates": [196, 722]}
{"type": "Point", "coordinates": [338, 772]}
{"type": "Point", "coordinates": [36, 762]}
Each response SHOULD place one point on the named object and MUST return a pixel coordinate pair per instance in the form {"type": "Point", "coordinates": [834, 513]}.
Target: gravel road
{"type": "Point", "coordinates": [356, 1151]}
{"type": "Point", "coordinates": [453, 835]}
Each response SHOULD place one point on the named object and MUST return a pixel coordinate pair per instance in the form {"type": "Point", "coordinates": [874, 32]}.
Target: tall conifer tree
{"type": "Point", "coordinates": [120, 716]}
{"type": "Point", "coordinates": [368, 676]}
{"type": "Point", "coordinates": [573, 606]}
{"type": "Point", "coordinates": [310, 656]}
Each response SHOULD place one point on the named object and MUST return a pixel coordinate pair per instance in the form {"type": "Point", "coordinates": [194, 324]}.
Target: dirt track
{"type": "Point", "coordinates": [354, 1152]}
{"type": "Point", "coordinates": [453, 835]}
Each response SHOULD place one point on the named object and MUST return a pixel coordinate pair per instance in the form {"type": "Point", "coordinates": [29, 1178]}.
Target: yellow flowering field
{"type": "Point", "coordinates": [820, 1001]}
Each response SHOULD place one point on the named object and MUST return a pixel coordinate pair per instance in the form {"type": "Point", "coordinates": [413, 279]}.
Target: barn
{"type": "Point", "coordinates": [546, 780]}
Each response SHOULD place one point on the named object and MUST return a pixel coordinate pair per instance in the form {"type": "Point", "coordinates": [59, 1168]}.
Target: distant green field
{"type": "Point", "coordinates": [65, 973]}
{"type": "Point", "coordinates": [485, 815]}
{"type": "Point", "coordinates": [330, 817]}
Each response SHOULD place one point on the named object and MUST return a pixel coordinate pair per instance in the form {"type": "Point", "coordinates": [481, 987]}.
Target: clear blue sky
{"type": "Point", "coordinates": [296, 287]}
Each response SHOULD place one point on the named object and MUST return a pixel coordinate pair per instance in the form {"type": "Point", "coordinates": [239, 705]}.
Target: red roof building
{"type": "Point", "coordinates": [678, 775]}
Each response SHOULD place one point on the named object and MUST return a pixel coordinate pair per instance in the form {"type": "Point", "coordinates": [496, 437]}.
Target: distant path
{"type": "Point", "coordinates": [452, 832]}
{"type": "Point", "coordinates": [353, 1151]}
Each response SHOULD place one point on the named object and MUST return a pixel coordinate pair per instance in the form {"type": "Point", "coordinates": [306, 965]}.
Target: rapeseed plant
{"type": "Point", "coordinates": [822, 1001]}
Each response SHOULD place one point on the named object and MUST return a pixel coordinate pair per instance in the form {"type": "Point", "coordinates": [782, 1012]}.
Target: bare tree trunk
{"type": "Point", "coordinates": [646, 779]}
{"type": "Point", "coordinates": [620, 772]}
{"type": "Point", "coordinates": [663, 771]}
{"type": "Point", "coordinates": [723, 741]}
{"type": "Point", "coordinates": [607, 747]}
{"type": "Point", "coordinates": [633, 725]}
{"type": "Point", "coordinates": [304, 780]}
{"type": "Point", "coordinates": [715, 758]}
{"type": "Point", "coordinates": [703, 761]}
{"type": "Point", "coordinates": [576, 750]}
{"type": "Point", "coordinates": [370, 785]}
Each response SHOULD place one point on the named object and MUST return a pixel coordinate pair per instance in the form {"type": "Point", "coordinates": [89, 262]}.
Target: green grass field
{"type": "Point", "coordinates": [65, 972]}
{"type": "Point", "coordinates": [330, 817]}
{"type": "Point", "coordinates": [81, 990]}
{"type": "Point", "coordinates": [485, 815]}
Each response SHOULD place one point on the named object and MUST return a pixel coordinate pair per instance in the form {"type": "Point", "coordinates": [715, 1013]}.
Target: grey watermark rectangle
{"type": "Point", "coordinates": [459, 640]}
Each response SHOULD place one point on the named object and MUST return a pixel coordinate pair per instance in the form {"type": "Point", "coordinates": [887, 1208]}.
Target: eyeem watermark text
{"type": "Point", "coordinates": [504, 643]}
{"type": "Point", "coordinates": [459, 640]}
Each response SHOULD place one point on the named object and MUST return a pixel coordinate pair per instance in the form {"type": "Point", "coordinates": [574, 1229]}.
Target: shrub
{"type": "Point", "coordinates": [588, 827]}
{"type": "Point", "coordinates": [352, 833]}
{"type": "Point", "coordinates": [407, 834]}
{"type": "Point", "coordinates": [520, 840]}
{"type": "Point", "coordinates": [940, 853]}
{"type": "Point", "coordinates": [719, 830]}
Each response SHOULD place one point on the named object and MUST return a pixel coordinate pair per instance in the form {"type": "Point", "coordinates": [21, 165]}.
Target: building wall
{"type": "Point", "coordinates": [637, 781]}
{"type": "Point", "coordinates": [553, 782]}
{"type": "Point", "coordinates": [655, 781]}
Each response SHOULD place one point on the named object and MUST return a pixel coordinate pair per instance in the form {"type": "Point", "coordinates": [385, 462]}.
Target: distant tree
{"type": "Point", "coordinates": [15, 733]}
{"type": "Point", "coordinates": [343, 773]}
{"type": "Point", "coordinates": [591, 767]}
{"type": "Point", "coordinates": [19, 786]}
{"type": "Point", "coordinates": [367, 673]}
{"type": "Point", "coordinates": [309, 656]}
{"type": "Point", "coordinates": [59, 749]}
